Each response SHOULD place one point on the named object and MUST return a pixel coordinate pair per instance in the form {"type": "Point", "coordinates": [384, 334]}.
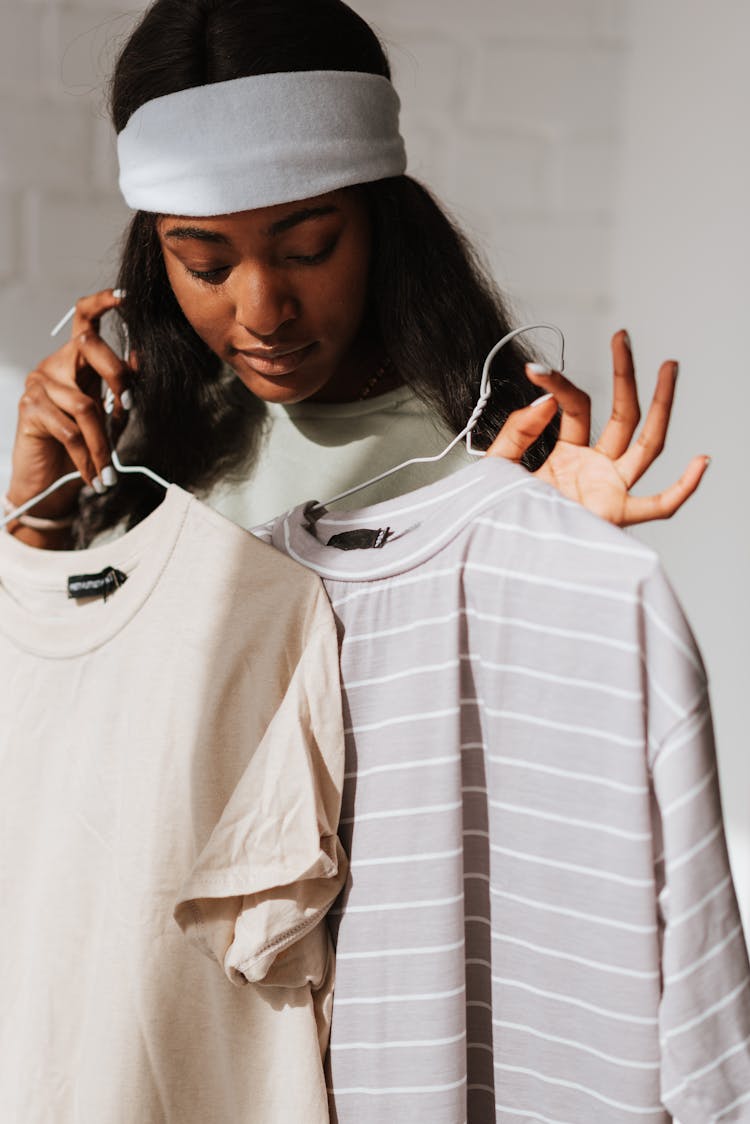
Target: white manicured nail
{"type": "Point", "coordinates": [538, 369]}
{"type": "Point", "coordinates": [626, 339]}
{"type": "Point", "coordinates": [109, 476]}
{"type": "Point", "coordinates": [543, 398]}
{"type": "Point", "coordinates": [127, 400]}
{"type": "Point", "coordinates": [118, 294]}
{"type": "Point", "coordinates": [109, 401]}
{"type": "Point", "coordinates": [98, 487]}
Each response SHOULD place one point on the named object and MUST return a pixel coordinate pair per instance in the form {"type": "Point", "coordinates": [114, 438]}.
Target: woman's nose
{"type": "Point", "coordinates": [263, 301]}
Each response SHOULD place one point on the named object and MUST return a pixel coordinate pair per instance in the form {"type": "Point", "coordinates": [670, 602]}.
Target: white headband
{"type": "Point", "coordinates": [253, 142]}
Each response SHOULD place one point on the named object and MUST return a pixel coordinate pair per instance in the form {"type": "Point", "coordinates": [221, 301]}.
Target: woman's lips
{"type": "Point", "coordinates": [276, 365]}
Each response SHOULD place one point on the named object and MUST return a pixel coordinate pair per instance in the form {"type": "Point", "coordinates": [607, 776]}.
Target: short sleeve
{"type": "Point", "coordinates": [273, 864]}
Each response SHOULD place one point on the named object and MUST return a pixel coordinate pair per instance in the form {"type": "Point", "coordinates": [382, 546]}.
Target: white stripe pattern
{"type": "Point", "coordinates": [374, 1091]}
{"type": "Point", "coordinates": [416, 1044]}
{"type": "Point", "coordinates": [575, 1045]}
{"type": "Point", "coordinates": [697, 1073]}
{"type": "Point", "coordinates": [586, 962]}
{"type": "Point", "coordinates": [421, 950]}
{"type": "Point", "coordinates": [398, 813]}
{"type": "Point", "coordinates": [573, 868]}
{"type": "Point", "coordinates": [416, 625]}
{"type": "Point", "coordinates": [528, 722]}
{"type": "Point", "coordinates": [683, 973]}
{"type": "Point", "coordinates": [560, 997]}
{"type": "Point", "coordinates": [580, 915]}
{"type": "Point", "coordinates": [690, 1024]}
{"type": "Point", "coordinates": [569, 540]}
{"type": "Point", "coordinates": [571, 821]}
{"type": "Point", "coordinates": [582, 1089]}
{"type": "Point", "coordinates": [399, 766]}
{"type": "Point", "coordinates": [568, 774]}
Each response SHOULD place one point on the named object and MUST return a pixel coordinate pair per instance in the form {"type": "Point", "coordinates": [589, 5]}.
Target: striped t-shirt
{"type": "Point", "coordinates": [540, 922]}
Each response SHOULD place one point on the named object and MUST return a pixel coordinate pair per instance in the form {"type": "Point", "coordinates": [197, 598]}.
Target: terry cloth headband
{"type": "Point", "coordinates": [253, 142]}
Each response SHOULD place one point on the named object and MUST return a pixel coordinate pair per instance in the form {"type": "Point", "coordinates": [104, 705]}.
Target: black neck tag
{"type": "Point", "coordinates": [96, 585]}
{"type": "Point", "coordinates": [361, 539]}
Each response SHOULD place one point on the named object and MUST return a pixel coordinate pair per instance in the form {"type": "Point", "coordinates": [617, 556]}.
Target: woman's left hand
{"type": "Point", "coordinates": [601, 477]}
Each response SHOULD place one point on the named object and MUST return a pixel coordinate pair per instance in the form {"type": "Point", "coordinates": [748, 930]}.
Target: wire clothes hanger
{"type": "Point", "coordinates": [316, 510]}
{"type": "Point", "coordinates": [66, 479]}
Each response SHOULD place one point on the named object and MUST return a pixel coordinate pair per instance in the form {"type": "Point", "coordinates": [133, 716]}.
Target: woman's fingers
{"type": "Point", "coordinates": [102, 359]}
{"type": "Point", "coordinates": [632, 464]}
{"type": "Point", "coordinates": [90, 309]}
{"type": "Point", "coordinates": [77, 422]}
{"type": "Point", "coordinates": [522, 428]}
{"type": "Point", "coordinates": [84, 361]}
{"type": "Point", "coordinates": [642, 509]}
{"type": "Point", "coordinates": [618, 432]}
{"type": "Point", "coordinates": [575, 423]}
{"type": "Point", "coordinates": [91, 348]}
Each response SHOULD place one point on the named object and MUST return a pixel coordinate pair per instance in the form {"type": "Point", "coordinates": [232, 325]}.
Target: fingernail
{"type": "Point", "coordinates": [98, 487]}
{"type": "Point", "coordinates": [109, 401]}
{"type": "Point", "coordinates": [109, 476]}
{"type": "Point", "coordinates": [708, 460]}
{"type": "Point", "coordinates": [118, 294]}
{"type": "Point", "coordinates": [127, 400]}
{"type": "Point", "coordinates": [626, 341]}
{"type": "Point", "coordinates": [83, 337]}
{"type": "Point", "coordinates": [543, 398]}
{"type": "Point", "coordinates": [538, 369]}
{"type": "Point", "coordinates": [676, 368]}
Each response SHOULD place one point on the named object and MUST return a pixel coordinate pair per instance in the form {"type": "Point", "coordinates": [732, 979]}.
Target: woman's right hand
{"type": "Point", "coordinates": [61, 416]}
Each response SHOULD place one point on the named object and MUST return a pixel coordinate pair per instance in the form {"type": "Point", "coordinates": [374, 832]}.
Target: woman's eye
{"type": "Point", "coordinates": [211, 276]}
{"type": "Point", "coordinates": [315, 259]}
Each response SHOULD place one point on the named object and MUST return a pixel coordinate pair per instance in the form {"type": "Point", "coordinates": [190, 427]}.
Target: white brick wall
{"type": "Point", "coordinates": [511, 114]}
{"type": "Point", "coordinates": [510, 111]}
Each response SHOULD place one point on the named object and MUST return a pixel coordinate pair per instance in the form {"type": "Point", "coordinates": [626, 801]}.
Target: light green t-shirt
{"type": "Point", "coordinates": [314, 450]}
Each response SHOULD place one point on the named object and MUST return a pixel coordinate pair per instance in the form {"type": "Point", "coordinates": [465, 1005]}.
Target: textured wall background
{"type": "Point", "coordinates": [589, 146]}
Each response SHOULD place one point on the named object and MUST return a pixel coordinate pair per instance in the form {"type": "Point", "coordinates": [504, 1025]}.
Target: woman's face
{"type": "Point", "coordinates": [279, 293]}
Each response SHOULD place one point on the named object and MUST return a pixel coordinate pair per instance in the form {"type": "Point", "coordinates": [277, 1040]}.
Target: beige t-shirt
{"type": "Point", "coordinates": [314, 450]}
{"type": "Point", "coordinates": [178, 747]}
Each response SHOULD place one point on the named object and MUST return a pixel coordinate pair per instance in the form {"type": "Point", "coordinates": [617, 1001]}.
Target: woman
{"type": "Point", "coordinates": [287, 346]}
{"type": "Point", "coordinates": [386, 292]}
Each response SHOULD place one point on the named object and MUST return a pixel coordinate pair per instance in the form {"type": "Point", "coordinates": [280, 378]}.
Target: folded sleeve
{"type": "Point", "coordinates": [273, 864]}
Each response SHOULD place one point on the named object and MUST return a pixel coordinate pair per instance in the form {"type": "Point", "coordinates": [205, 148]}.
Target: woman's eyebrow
{"type": "Point", "coordinates": [185, 233]}
{"type": "Point", "coordinates": [297, 217]}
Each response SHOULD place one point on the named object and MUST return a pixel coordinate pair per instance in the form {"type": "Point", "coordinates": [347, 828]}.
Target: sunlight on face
{"type": "Point", "coordinates": [279, 293]}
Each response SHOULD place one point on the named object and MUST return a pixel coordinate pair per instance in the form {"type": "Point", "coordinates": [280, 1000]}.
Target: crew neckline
{"type": "Point", "coordinates": [143, 553]}
{"type": "Point", "coordinates": [336, 410]}
{"type": "Point", "coordinates": [422, 522]}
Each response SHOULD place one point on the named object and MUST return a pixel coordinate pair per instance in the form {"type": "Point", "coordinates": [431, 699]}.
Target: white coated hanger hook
{"type": "Point", "coordinates": [485, 388]}
{"type": "Point", "coordinates": [485, 391]}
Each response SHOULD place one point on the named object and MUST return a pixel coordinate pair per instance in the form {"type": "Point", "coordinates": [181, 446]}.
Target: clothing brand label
{"type": "Point", "coordinates": [363, 539]}
{"type": "Point", "coordinates": [103, 584]}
